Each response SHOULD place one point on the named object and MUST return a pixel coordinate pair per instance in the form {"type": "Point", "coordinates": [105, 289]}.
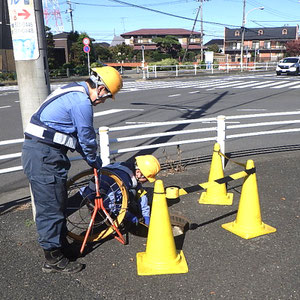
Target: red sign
{"type": "Point", "coordinates": [86, 49]}
{"type": "Point", "coordinates": [86, 41]}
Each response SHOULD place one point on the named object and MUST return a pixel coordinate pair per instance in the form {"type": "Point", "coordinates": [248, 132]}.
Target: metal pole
{"type": "Point", "coordinates": [143, 61]}
{"type": "Point", "coordinates": [201, 17]}
{"type": "Point", "coordinates": [70, 10]}
{"type": "Point", "coordinates": [243, 35]}
{"type": "Point", "coordinates": [104, 145]}
{"type": "Point", "coordinates": [221, 134]}
{"type": "Point", "coordinates": [89, 68]}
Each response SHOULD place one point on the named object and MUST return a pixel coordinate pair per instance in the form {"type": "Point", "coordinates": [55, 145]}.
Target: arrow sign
{"type": "Point", "coordinates": [25, 13]}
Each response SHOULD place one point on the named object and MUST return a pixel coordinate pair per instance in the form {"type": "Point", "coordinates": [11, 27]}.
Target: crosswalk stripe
{"type": "Point", "coordinates": [269, 84]}
{"type": "Point", "coordinates": [284, 85]}
{"type": "Point", "coordinates": [232, 84]}
{"type": "Point", "coordinates": [250, 85]}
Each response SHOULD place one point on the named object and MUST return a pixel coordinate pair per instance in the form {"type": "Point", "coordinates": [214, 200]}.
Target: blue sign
{"type": "Point", "coordinates": [86, 49]}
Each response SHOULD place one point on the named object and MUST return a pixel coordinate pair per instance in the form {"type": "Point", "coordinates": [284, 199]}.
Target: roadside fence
{"type": "Point", "coordinates": [220, 130]}
{"type": "Point", "coordinates": [223, 129]}
{"type": "Point", "coordinates": [155, 71]}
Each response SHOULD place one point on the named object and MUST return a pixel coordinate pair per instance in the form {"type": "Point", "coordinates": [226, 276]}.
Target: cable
{"type": "Point", "coordinates": [152, 10]}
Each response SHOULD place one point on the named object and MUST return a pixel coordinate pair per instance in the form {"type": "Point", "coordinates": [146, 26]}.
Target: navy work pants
{"type": "Point", "coordinates": [46, 167]}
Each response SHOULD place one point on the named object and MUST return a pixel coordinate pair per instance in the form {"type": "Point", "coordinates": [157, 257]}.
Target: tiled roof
{"type": "Point", "coordinates": [62, 35]}
{"type": "Point", "coordinates": [268, 33]}
{"type": "Point", "coordinates": [116, 41]}
{"type": "Point", "coordinates": [159, 31]}
{"type": "Point", "coordinates": [215, 41]}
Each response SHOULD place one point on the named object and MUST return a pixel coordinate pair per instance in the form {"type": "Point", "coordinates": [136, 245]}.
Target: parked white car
{"type": "Point", "coordinates": [288, 65]}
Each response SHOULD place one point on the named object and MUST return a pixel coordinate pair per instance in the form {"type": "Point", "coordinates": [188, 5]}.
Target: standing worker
{"type": "Point", "coordinates": [63, 122]}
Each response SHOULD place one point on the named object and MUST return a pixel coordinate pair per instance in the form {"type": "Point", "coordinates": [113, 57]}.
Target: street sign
{"type": "Point", "coordinates": [86, 41]}
{"type": "Point", "coordinates": [86, 49]}
{"type": "Point", "coordinates": [23, 29]}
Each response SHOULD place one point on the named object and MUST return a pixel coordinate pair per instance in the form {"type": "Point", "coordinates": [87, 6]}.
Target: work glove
{"type": "Point", "coordinates": [97, 164]}
{"type": "Point", "coordinates": [131, 218]}
{"type": "Point", "coordinates": [147, 220]}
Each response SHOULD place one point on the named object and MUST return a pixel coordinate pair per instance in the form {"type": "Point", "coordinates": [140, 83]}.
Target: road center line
{"type": "Point", "coordinates": [6, 106]}
{"type": "Point", "coordinates": [175, 95]}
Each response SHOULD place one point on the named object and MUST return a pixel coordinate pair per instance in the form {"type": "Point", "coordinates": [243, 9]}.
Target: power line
{"type": "Point", "coordinates": [152, 10]}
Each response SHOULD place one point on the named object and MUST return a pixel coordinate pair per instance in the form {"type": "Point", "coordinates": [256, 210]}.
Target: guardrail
{"type": "Point", "coordinates": [221, 133]}
{"type": "Point", "coordinates": [182, 70]}
{"type": "Point", "coordinates": [179, 70]}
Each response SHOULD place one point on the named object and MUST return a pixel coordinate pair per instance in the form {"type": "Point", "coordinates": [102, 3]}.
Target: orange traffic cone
{"type": "Point", "coordinates": [161, 256]}
{"type": "Point", "coordinates": [248, 223]}
{"type": "Point", "coordinates": [216, 194]}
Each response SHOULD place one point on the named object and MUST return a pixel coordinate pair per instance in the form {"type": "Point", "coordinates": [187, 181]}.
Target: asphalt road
{"type": "Point", "coordinates": [167, 100]}
{"type": "Point", "coordinates": [221, 265]}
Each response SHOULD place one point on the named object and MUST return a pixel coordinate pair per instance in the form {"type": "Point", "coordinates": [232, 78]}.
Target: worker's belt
{"type": "Point", "coordinates": [52, 136]}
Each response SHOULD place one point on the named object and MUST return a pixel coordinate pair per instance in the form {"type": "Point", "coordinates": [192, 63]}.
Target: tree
{"type": "Point", "coordinates": [169, 45]}
{"type": "Point", "coordinates": [293, 48]}
{"type": "Point", "coordinates": [102, 53]}
{"type": "Point", "coordinates": [122, 52]}
{"type": "Point", "coordinates": [78, 56]}
{"type": "Point", "coordinates": [214, 48]}
{"type": "Point", "coordinates": [50, 48]}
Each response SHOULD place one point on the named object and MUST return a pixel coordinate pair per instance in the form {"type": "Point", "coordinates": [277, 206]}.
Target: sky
{"type": "Point", "coordinates": [102, 19]}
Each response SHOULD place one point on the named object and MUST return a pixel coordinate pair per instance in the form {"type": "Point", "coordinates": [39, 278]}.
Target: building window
{"type": "Point", "coordinates": [237, 33]}
{"type": "Point", "coordinates": [255, 44]}
{"type": "Point", "coordinates": [284, 31]}
{"type": "Point", "coordinates": [267, 44]}
{"type": "Point", "coordinates": [260, 32]}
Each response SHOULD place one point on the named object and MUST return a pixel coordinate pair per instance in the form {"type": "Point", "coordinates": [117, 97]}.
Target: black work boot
{"type": "Point", "coordinates": [70, 251]}
{"type": "Point", "coordinates": [56, 262]}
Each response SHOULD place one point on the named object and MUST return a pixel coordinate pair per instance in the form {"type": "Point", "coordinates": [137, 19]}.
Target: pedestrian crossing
{"type": "Point", "coordinates": [211, 84]}
{"type": "Point", "coordinates": [234, 82]}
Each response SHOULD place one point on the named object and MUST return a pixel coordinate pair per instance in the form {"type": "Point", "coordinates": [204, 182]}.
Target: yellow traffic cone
{"type": "Point", "coordinates": [248, 223]}
{"type": "Point", "coordinates": [216, 194]}
{"type": "Point", "coordinates": [161, 256]}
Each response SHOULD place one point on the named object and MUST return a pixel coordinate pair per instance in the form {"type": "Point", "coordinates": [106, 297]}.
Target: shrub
{"type": "Point", "coordinates": [8, 76]}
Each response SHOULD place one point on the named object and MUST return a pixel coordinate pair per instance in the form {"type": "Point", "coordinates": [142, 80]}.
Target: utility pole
{"type": "Point", "coordinates": [202, 34]}
{"type": "Point", "coordinates": [189, 38]}
{"type": "Point", "coordinates": [243, 35]}
{"type": "Point", "coordinates": [30, 52]}
{"type": "Point", "coordinates": [201, 17]}
{"type": "Point", "coordinates": [70, 11]}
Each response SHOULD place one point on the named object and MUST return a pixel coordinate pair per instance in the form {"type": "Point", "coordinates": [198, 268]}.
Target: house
{"type": "Point", "coordinates": [61, 47]}
{"type": "Point", "coordinates": [218, 42]}
{"type": "Point", "coordinates": [145, 37]}
{"type": "Point", "coordinates": [260, 44]}
{"type": "Point", "coordinates": [117, 40]}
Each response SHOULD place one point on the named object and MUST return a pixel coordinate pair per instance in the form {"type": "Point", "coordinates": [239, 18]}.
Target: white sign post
{"type": "Point", "coordinates": [87, 49]}
{"type": "Point", "coordinates": [23, 29]}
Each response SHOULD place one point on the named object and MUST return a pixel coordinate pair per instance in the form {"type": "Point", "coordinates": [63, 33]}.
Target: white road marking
{"type": "Point", "coordinates": [113, 111]}
{"type": "Point", "coordinates": [284, 85]}
{"type": "Point", "coordinates": [250, 85]}
{"type": "Point", "coordinates": [6, 106]}
{"type": "Point", "coordinates": [252, 109]}
{"type": "Point", "coordinates": [174, 95]}
{"type": "Point", "coordinates": [267, 85]}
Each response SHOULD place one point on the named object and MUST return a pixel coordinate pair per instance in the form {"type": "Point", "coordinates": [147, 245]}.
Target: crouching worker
{"type": "Point", "coordinates": [133, 174]}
